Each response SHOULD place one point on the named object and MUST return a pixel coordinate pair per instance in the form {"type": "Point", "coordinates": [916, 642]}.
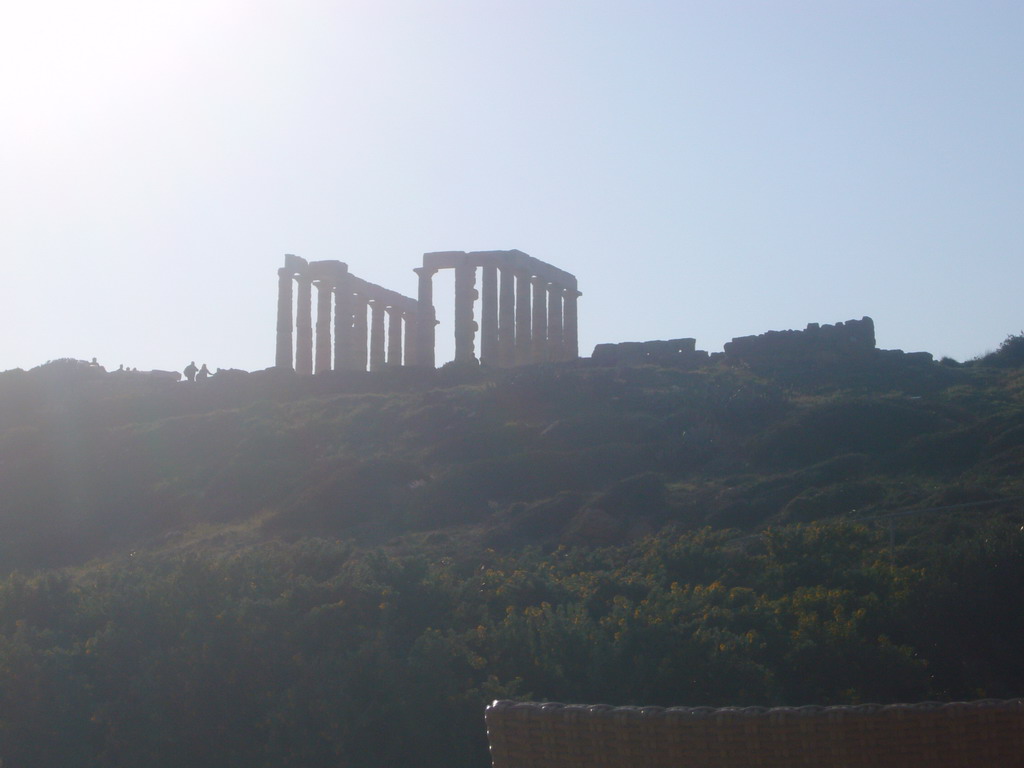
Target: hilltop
{"type": "Point", "coordinates": [314, 570]}
{"type": "Point", "coordinates": [574, 454]}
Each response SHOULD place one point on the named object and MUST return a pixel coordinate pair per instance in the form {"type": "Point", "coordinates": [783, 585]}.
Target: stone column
{"type": "Point", "coordinates": [359, 332]}
{"type": "Point", "coordinates": [507, 318]}
{"type": "Point", "coordinates": [540, 319]}
{"type": "Point", "coordinates": [465, 326]}
{"type": "Point", "coordinates": [489, 315]}
{"type": "Point", "coordinates": [376, 335]}
{"type": "Point", "coordinates": [555, 351]}
{"type": "Point", "coordinates": [343, 328]}
{"type": "Point", "coordinates": [570, 331]}
{"type": "Point", "coordinates": [426, 320]}
{"type": "Point", "coordinates": [283, 358]}
{"type": "Point", "coordinates": [411, 337]}
{"type": "Point", "coordinates": [394, 337]}
{"type": "Point", "coordinates": [323, 326]}
{"type": "Point", "coordinates": [304, 327]}
{"type": "Point", "coordinates": [524, 352]}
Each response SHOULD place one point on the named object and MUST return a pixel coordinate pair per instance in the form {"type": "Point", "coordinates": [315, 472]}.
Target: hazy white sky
{"type": "Point", "coordinates": [706, 169]}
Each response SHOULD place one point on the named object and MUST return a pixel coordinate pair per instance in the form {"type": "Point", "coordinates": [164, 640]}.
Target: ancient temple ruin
{"type": "Point", "coordinates": [355, 343]}
{"type": "Point", "coordinates": [527, 308]}
{"type": "Point", "coordinates": [527, 314]}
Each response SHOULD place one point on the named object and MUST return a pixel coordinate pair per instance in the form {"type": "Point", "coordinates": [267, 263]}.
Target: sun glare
{"type": "Point", "coordinates": [67, 64]}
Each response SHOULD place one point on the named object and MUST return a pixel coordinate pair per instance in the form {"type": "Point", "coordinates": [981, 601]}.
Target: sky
{"type": "Point", "coordinates": [706, 169]}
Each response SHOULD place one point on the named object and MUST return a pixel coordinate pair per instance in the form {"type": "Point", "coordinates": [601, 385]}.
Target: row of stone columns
{"type": "Point", "coordinates": [527, 314]}
{"type": "Point", "coordinates": [360, 343]}
{"type": "Point", "coordinates": [351, 342]}
{"type": "Point", "coordinates": [527, 308]}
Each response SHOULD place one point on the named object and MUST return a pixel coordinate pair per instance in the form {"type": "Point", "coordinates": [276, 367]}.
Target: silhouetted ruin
{"type": "Point", "coordinates": [356, 342]}
{"type": "Point", "coordinates": [527, 315]}
{"type": "Point", "coordinates": [530, 317]}
{"type": "Point", "coordinates": [850, 338]}
{"type": "Point", "coordinates": [675, 352]}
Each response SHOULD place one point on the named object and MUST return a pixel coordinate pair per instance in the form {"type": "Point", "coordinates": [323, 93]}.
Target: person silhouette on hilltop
{"type": "Point", "coordinates": [204, 372]}
{"type": "Point", "coordinates": [191, 371]}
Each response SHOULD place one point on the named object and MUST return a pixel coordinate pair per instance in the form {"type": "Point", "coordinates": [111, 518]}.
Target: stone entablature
{"type": "Point", "coordinates": [353, 343]}
{"type": "Point", "coordinates": [528, 314]}
{"type": "Point", "coordinates": [527, 308]}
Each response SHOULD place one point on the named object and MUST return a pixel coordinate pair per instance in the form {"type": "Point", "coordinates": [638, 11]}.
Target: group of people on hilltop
{"type": "Point", "coordinates": [192, 373]}
{"type": "Point", "coordinates": [196, 374]}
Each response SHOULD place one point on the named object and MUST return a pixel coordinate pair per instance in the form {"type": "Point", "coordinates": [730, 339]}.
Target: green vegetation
{"type": "Point", "coordinates": [343, 571]}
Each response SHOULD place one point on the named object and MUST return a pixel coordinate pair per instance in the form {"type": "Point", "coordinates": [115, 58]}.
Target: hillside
{"type": "Point", "coordinates": [268, 570]}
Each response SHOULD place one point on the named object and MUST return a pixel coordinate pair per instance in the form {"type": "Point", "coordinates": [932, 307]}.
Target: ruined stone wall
{"type": "Point", "coordinates": [674, 352]}
{"type": "Point", "coordinates": [852, 337]}
{"type": "Point", "coordinates": [848, 339]}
